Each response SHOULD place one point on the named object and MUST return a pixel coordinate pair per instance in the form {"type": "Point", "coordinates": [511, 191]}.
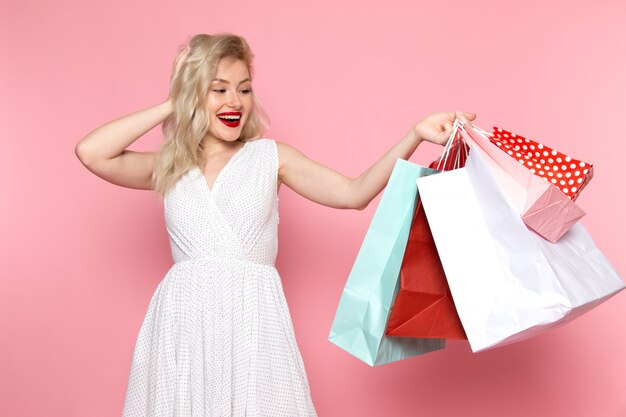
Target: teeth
{"type": "Point", "coordinates": [230, 117]}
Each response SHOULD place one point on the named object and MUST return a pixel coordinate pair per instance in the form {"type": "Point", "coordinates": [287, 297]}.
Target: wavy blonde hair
{"type": "Point", "coordinates": [182, 149]}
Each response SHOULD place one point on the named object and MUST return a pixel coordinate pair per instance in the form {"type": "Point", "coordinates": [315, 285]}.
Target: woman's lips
{"type": "Point", "coordinates": [230, 119]}
{"type": "Point", "coordinates": [230, 123]}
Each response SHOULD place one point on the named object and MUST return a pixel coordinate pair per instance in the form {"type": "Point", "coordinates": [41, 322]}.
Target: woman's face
{"type": "Point", "coordinates": [229, 100]}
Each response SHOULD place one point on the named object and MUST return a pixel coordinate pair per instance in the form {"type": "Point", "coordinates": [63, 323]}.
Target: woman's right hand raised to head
{"type": "Point", "coordinates": [178, 63]}
{"type": "Point", "coordinates": [104, 150]}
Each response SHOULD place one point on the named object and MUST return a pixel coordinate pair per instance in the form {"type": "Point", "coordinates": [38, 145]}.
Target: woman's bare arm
{"type": "Point", "coordinates": [103, 151]}
{"type": "Point", "coordinates": [328, 187]}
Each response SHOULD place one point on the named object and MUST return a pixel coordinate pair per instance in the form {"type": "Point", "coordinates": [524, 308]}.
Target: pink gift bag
{"type": "Point", "coordinates": [542, 205]}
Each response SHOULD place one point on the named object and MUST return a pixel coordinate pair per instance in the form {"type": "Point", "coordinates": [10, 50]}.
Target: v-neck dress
{"type": "Point", "coordinates": [217, 338]}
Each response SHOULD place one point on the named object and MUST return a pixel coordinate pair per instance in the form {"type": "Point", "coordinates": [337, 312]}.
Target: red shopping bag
{"type": "Point", "coordinates": [424, 307]}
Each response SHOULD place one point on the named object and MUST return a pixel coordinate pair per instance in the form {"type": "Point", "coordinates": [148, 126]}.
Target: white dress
{"type": "Point", "coordinates": [217, 339]}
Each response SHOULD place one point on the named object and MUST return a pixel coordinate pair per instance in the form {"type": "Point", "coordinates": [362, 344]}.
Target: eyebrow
{"type": "Point", "coordinates": [228, 82]}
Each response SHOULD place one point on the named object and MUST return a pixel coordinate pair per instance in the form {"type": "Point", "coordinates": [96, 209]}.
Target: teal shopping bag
{"type": "Point", "coordinates": [367, 298]}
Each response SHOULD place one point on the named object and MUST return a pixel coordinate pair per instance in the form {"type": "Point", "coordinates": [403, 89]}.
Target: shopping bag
{"type": "Point", "coordinates": [566, 173]}
{"type": "Point", "coordinates": [363, 310]}
{"type": "Point", "coordinates": [424, 305]}
{"type": "Point", "coordinates": [507, 282]}
{"type": "Point", "coordinates": [543, 207]}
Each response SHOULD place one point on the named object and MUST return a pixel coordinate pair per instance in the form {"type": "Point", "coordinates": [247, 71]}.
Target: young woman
{"type": "Point", "coordinates": [217, 338]}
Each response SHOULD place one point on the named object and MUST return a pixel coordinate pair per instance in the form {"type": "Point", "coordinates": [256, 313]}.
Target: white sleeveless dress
{"type": "Point", "coordinates": [217, 339]}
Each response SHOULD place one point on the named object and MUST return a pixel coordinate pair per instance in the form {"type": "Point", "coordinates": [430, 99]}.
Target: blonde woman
{"type": "Point", "coordinates": [217, 338]}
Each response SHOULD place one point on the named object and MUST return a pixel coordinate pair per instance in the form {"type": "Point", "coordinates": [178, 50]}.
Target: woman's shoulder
{"type": "Point", "coordinates": [263, 141]}
{"type": "Point", "coordinates": [281, 149]}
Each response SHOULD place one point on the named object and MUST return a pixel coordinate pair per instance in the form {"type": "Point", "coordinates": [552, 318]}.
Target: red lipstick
{"type": "Point", "coordinates": [230, 118]}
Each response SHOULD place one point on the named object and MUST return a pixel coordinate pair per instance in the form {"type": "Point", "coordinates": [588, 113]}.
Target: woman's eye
{"type": "Point", "coordinates": [246, 91]}
{"type": "Point", "coordinates": [220, 90]}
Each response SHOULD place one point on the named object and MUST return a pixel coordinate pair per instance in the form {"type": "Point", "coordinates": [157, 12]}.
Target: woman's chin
{"type": "Point", "coordinates": [229, 136]}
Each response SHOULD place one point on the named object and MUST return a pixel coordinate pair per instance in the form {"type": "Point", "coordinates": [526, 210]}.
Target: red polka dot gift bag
{"type": "Point", "coordinates": [541, 183]}
{"type": "Point", "coordinates": [568, 174]}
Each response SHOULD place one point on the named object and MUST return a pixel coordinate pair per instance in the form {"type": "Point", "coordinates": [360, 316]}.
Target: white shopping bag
{"type": "Point", "coordinates": [507, 282]}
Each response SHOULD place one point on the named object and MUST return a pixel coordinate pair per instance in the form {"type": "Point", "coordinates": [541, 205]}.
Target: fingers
{"type": "Point", "coordinates": [180, 58]}
{"type": "Point", "coordinates": [182, 54]}
{"type": "Point", "coordinates": [184, 51]}
{"type": "Point", "coordinates": [465, 117]}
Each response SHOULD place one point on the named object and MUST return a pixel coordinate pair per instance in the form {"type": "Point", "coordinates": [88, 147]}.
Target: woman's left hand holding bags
{"type": "Point", "coordinates": [437, 127]}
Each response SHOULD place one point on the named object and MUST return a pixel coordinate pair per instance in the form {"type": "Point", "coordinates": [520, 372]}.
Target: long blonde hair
{"type": "Point", "coordinates": [181, 149]}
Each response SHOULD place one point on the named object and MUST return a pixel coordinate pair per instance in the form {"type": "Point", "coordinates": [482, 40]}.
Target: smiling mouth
{"type": "Point", "coordinates": [230, 119]}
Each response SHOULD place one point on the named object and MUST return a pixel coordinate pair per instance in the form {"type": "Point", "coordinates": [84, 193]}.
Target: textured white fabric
{"type": "Point", "coordinates": [217, 338]}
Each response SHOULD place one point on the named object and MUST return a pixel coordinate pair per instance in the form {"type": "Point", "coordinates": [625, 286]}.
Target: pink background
{"type": "Point", "coordinates": [342, 83]}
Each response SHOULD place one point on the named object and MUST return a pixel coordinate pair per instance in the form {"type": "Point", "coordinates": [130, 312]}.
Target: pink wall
{"type": "Point", "coordinates": [342, 83]}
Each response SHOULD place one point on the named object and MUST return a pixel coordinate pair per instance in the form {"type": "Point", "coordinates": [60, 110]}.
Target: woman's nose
{"type": "Point", "coordinates": [234, 101]}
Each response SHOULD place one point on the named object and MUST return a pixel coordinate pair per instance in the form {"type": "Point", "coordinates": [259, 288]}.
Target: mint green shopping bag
{"type": "Point", "coordinates": [371, 288]}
